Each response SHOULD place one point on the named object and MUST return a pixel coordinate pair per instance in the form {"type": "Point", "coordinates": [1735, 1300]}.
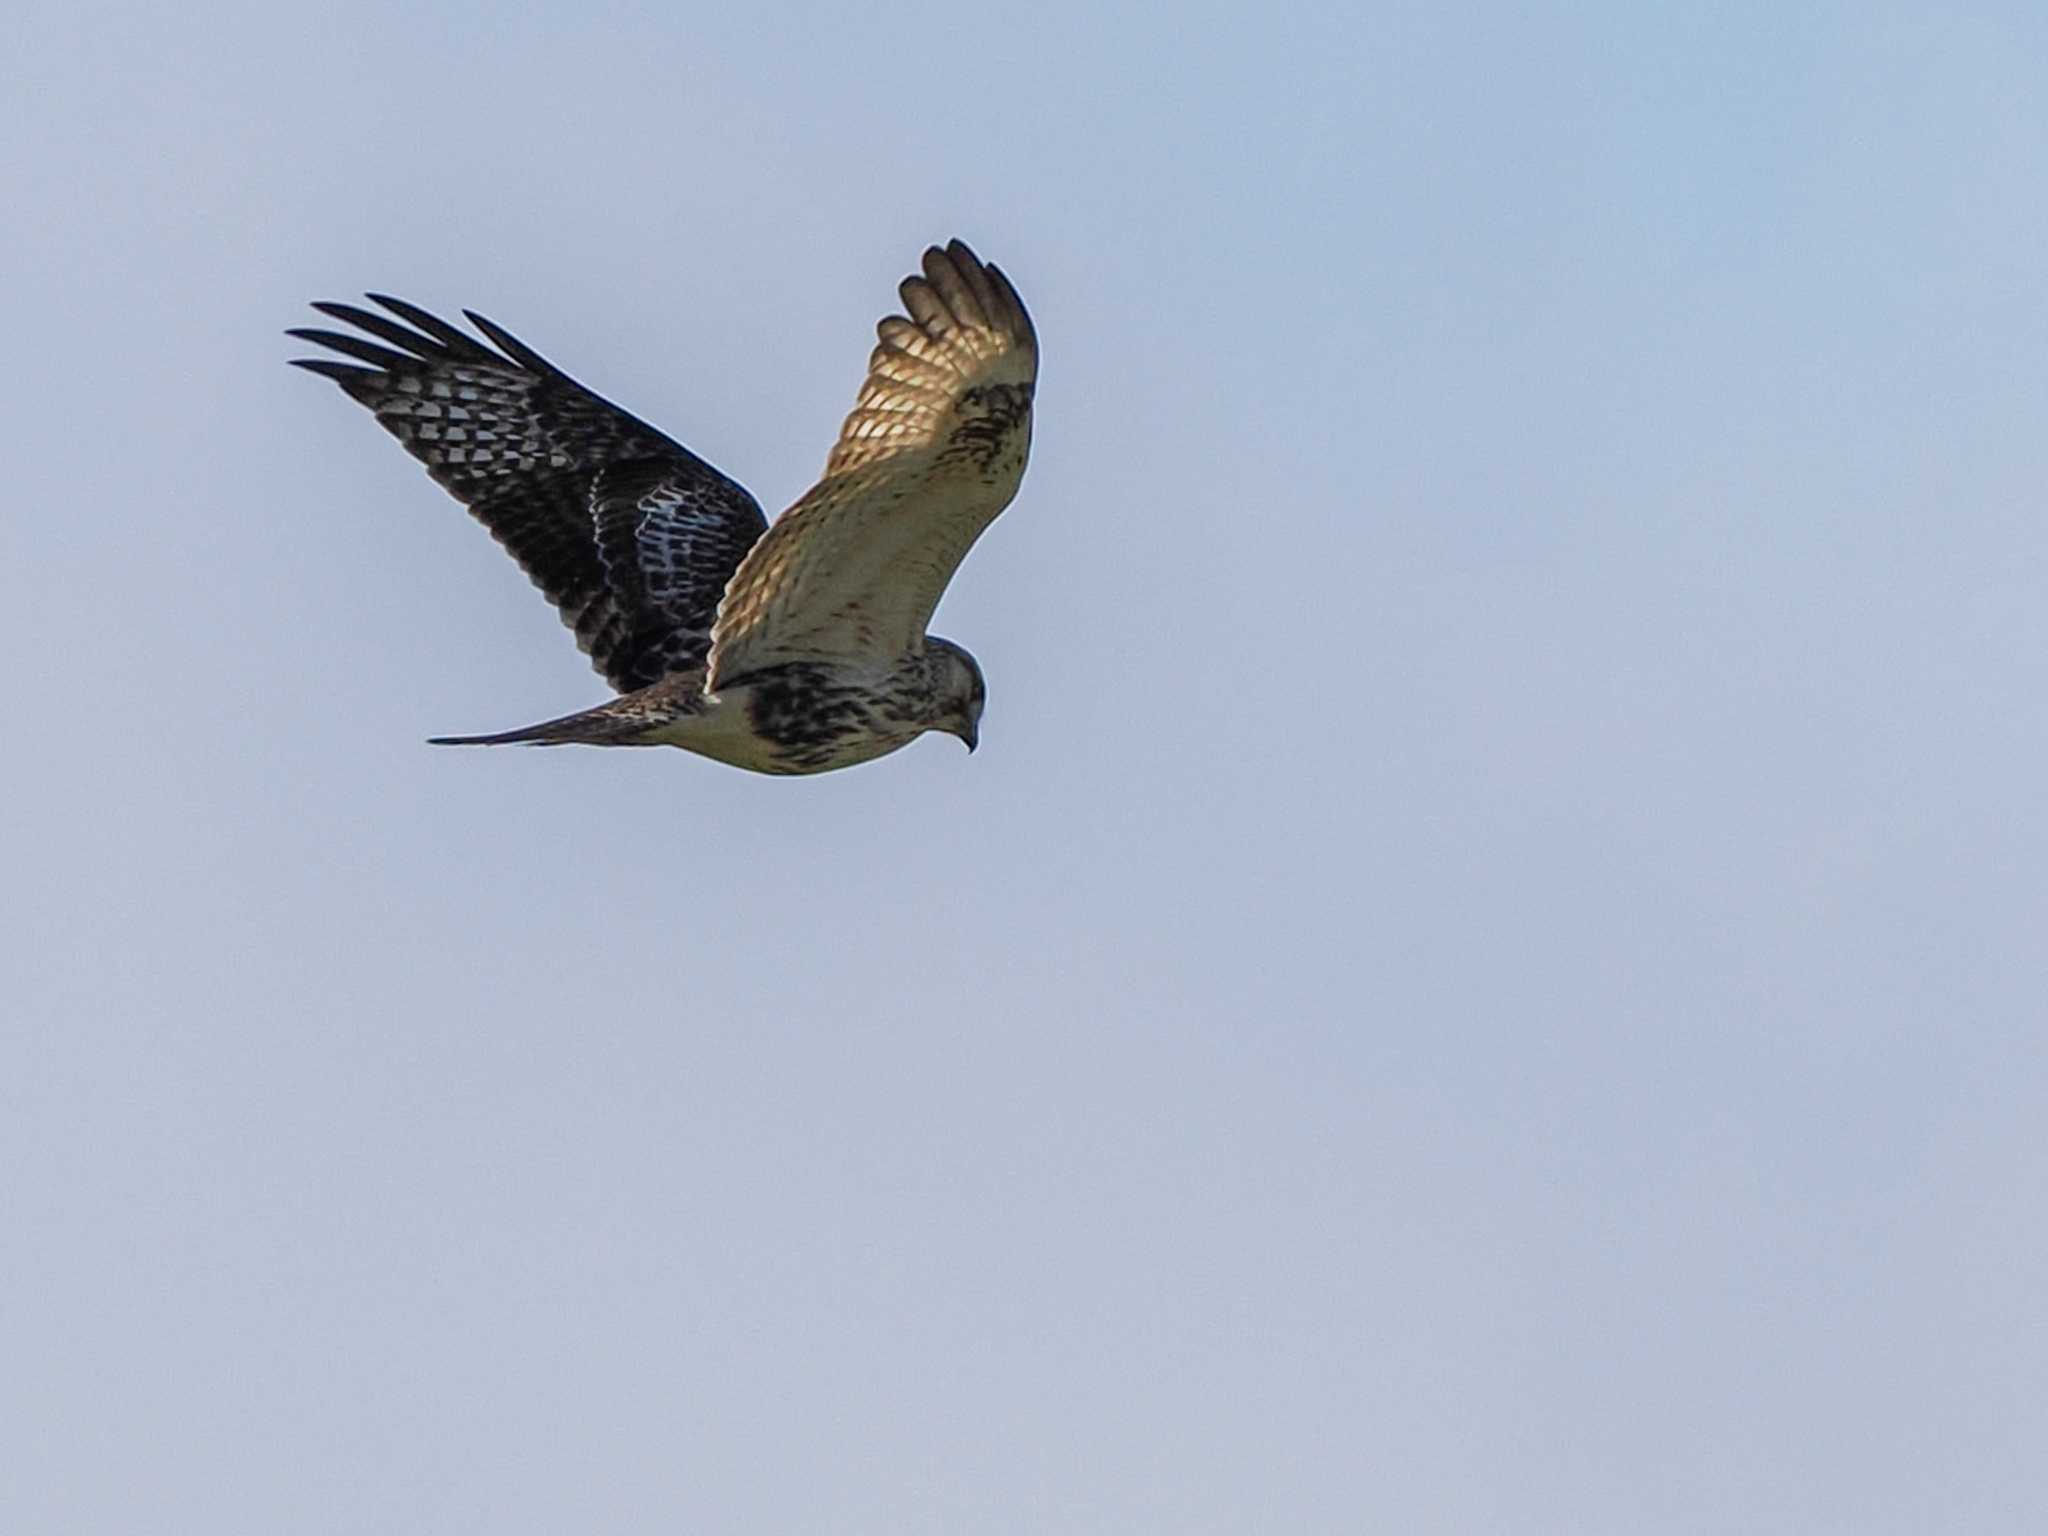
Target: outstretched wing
{"type": "Point", "coordinates": [630, 535]}
{"type": "Point", "coordinates": [933, 451]}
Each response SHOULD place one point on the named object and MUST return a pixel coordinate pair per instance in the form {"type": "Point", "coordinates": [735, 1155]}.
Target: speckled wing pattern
{"type": "Point", "coordinates": [934, 449]}
{"type": "Point", "coordinates": [630, 535]}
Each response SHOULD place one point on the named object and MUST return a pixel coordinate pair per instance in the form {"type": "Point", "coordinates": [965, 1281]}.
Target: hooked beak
{"type": "Point", "coordinates": [972, 736]}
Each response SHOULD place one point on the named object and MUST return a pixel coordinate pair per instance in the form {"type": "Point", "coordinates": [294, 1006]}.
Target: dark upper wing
{"type": "Point", "coordinates": [631, 536]}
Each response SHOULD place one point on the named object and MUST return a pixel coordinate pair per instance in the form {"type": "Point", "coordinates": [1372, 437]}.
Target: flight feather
{"type": "Point", "coordinates": [933, 450]}
{"type": "Point", "coordinates": [630, 535]}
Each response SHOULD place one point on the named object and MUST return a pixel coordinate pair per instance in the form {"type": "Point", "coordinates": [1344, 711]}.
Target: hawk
{"type": "Point", "coordinates": [793, 649]}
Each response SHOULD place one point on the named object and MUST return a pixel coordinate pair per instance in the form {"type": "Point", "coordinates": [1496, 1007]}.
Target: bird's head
{"type": "Point", "coordinates": [958, 692]}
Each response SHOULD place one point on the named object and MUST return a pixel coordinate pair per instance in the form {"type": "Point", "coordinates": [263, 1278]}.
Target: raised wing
{"type": "Point", "coordinates": [933, 451]}
{"type": "Point", "coordinates": [630, 535]}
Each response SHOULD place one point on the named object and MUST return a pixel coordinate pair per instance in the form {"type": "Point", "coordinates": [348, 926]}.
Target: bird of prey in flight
{"type": "Point", "coordinates": [793, 649]}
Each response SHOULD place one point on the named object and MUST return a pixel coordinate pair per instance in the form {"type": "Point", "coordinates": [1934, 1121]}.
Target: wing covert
{"type": "Point", "coordinates": [669, 542]}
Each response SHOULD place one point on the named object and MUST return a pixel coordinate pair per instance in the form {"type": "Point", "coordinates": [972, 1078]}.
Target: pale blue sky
{"type": "Point", "coordinates": [1487, 976]}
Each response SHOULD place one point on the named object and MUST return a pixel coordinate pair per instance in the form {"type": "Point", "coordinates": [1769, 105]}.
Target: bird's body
{"type": "Point", "coordinates": [787, 650]}
{"type": "Point", "coordinates": [798, 717]}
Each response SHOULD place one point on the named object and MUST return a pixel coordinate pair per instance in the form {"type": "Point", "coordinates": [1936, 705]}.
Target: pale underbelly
{"type": "Point", "coordinates": [725, 732]}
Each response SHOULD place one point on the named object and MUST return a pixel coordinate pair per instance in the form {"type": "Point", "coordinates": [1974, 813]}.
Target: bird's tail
{"type": "Point", "coordinates": [608, 725]}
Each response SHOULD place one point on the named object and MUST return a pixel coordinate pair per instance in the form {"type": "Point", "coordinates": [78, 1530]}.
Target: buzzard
{"type": "Point", "coordinates": [793, 649]}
